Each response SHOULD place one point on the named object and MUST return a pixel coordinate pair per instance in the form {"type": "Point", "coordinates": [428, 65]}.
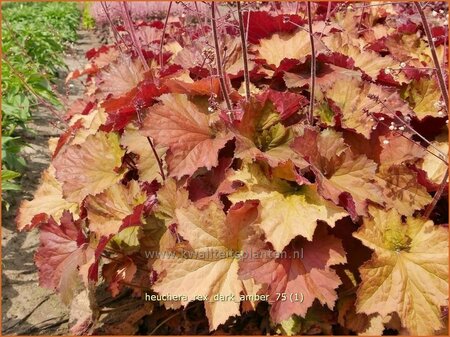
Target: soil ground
{"type": "Point", "coordinates": [28, 309]}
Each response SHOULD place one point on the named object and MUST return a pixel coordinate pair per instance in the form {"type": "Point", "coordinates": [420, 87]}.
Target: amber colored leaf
{"type": "Point", "coordinates": [402, 190]}
{"type": "Point", "coordinates": [63, 249]}
{"type": "Point", "coordinates": [424, 97]}
{"type": "Point", "coordinates": [103, 56]}
{"type": "Point", "coordinates": [412, 49]}
{"type": "Point", "coordinates": [400, 150]}
{"type": "Point", "coordinates": [205, 86]}
{"type": "Point", "coordinates": [302, 269]}
{"type": "Point", "coordinates": [179, 124]}
{"type": "Point", "coordinates": [408, 272]}
{"type": "Point", "coordinates": [368, 61]}
{"type": "Point", "coordinates": [433, 161]}
{"type": "Point", "coordinates": [91, 123]}
{"type": "Point", "coordinates": [282, 46]}
{"type": "Point", "coordinates": [147, 164]}
{"type": "Point", "coordinates": [121, 76]}
{"type": "Point", "coordinates": [171, 197]}
{"type": "Point", "coordinates": [352, 97]}
{"type": "Point", "coordinates": [326, 76]}
{"type": "Point", "coordinates": [48, 202]}
{"type": "Point", "coordinates": [107, 210]}
{"type": "Point", "coordinates": [207, 264]}
{"type": "Point", "coordinates": [99, 59]}
{"type": "Point", "coordinates": [261, 135]}
{"type": "Point", "coordinates": [286, 211]}
{"type": "Point", "coordinates": [338, 170]}
{"type": "Point", "coordinates": [89, 168]}
{"type": "Point", "coordinates": [80, 127]}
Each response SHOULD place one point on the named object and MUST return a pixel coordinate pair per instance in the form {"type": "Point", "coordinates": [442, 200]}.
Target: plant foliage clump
{"type": "Point", "coordinates": [287, 150]}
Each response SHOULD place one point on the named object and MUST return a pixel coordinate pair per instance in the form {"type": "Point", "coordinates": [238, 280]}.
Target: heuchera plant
{"type": "Point", "coordinates": [206, 154]}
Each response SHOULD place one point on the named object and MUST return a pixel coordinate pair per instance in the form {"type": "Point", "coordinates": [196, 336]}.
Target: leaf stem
{"type": "Point", "coordinates": [439, 72]}
{"type": "Point", "coordinates": [116, 34]}
{"type": "Point", "coordinates": [313, 65]}
{"type": "Point", "coordinates": [218, 58]}
{"type": "Point", "coordinates": [158, 160]}
{"type": "Point", "coordinates": [161, 58]}
{"type": "Point", "coordinates": [436, 196]}
{"type": "Point", "coordinates": [327, 16]}
{"type": "Point", "coordinates": [132, 32]}
{"type": "Point", "coordinates": [244, 51]}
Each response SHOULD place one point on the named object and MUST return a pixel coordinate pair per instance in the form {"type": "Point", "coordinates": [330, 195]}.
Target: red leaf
{"type": "Point", "coordinates": [210, 186]}
{"type": "Point", "coordinates": [302, 269]}
{"type": "Point", "coordinates": [93, 52]}
{"type": "Point", "coordinates": [337, 59]}
{"type": "Point", "coordinates": [407, 28]}
{"type": "Point", "coordinates": [123, 110]}
{"type": "Point", "coordinates": [286, 103]}
{"type": "Point", "coordinates": [63, 249]}
{"type": "Point", "coordinates": [93, 268]}
{"type": "Point", "coordinates": [263, 25]}
{"type": "Point", "coordinates": [67, 135]}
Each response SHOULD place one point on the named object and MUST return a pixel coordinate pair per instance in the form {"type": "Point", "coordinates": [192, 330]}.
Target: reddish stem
{"type": "Point", "coordinates": [327, 16]}
{"type": "Point", "coordinates": [218, 58]}
{"type": "Point", "coordinates": [161, 58]}
{"type": "Point", "coordinates": [116, 34]}
{"type": "Point", "coordinates": [436, 196]}
{"type": "Point", "coordinates": [313, 65]}
{"type": "Point", "coordinates": [244, 51]}
{"type": "Point", "coordinates": [158, 160]}
{"type": "Point", "coordinates": [129, 23]}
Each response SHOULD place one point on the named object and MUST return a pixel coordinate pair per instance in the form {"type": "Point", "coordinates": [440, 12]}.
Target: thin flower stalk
{"type": "Point", "coordinates": [218, 58]}
{"type": "Point", "coordinates": [116, 34]}
{"type": "Point", "coordinates": [129, 23]}
{"type": "Point", "coordinates": [244, 51]}
{"type": "Point", "coordinates": [313, 65]}
{"type": "Point", "coordinates": [436, 196]}
{"type": "Point", "coordinates": [161, 56]}
{"type": "Point", "coordinates": [149, 140]}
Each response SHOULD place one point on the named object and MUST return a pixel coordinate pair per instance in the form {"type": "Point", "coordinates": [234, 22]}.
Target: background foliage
{"type": "Point", "coordinates": [34, 37]}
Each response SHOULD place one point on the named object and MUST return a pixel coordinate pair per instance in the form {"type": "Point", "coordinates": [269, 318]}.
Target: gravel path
{"type": "Point", "coordinates": [28, 309]}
